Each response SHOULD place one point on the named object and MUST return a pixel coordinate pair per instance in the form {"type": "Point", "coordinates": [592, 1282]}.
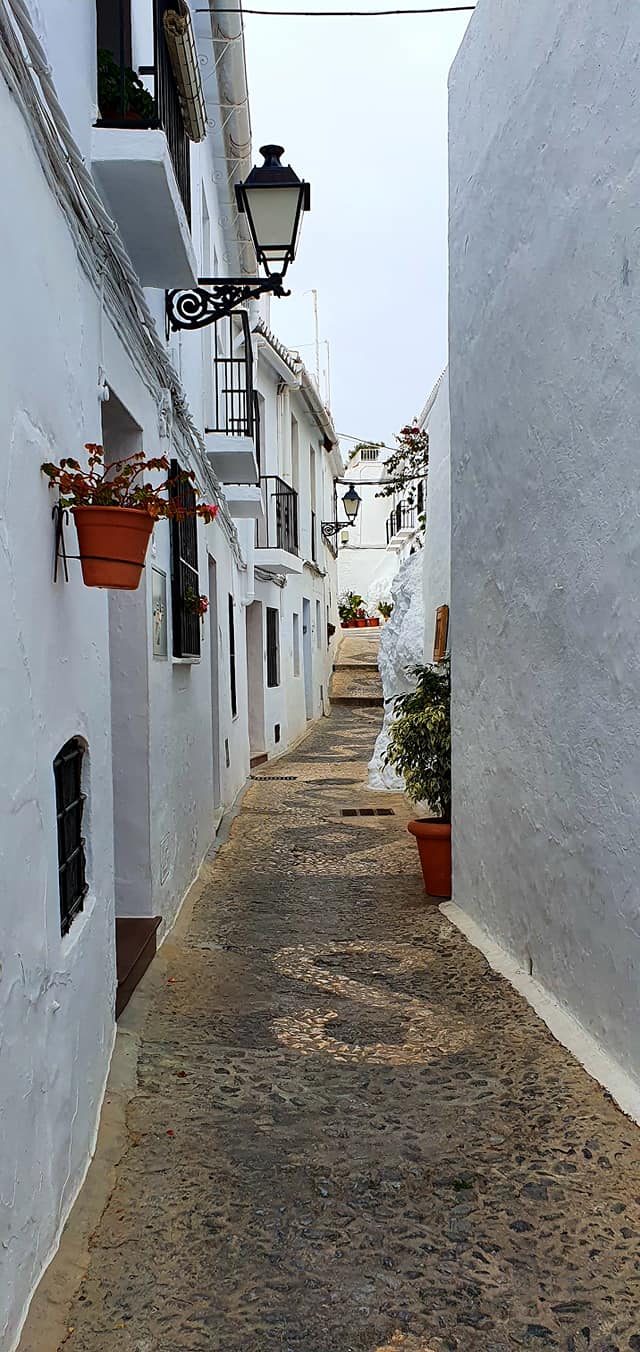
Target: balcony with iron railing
{"type": "Point", "coordinates": [277, 543]}
{"type": "Point", "coordinates": [140, 147]}
{"type": "Point", "coordinates": [400, 524]}
{"type": "Point", "coordinates": [232, 431]}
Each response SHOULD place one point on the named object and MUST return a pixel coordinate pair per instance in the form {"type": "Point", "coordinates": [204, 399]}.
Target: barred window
{"type": "Point", "coordinates": [185, 577]}
{"type": "Point", "coordinates": [370, 453]}
{"type": "Point", "coordinates": [232, 659]}
{"type": "Point", "coordinates": [72, 882]}
{"type": "Point", "coordinates": [273, 647]}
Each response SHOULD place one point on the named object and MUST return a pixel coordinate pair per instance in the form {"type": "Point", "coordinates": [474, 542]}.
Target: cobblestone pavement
{"type": "Point", "coordinates": [348, 1132]}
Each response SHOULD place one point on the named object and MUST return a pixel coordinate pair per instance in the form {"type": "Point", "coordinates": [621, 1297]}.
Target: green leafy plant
{"type": "Point", "coordinates": [385, 608]}
{"type": "Point", "coordinates": [121, 484]}
{"type": "Point", "coordinates": [195, 602]}
{"type": "Point", "coordinates": [420, 739]}
{"type": "Point", "coordinates": [349, 606]}
{"type": "Point", "coordinates": [121, 93]}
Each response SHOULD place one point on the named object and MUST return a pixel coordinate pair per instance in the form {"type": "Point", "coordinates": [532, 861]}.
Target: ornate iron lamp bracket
{"type": "Point", "coordinates": [214, 298]}
{"type": "Point", "coordinates": [330, 528]}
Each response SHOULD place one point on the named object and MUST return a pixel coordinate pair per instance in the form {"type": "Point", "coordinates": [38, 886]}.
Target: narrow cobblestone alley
{"type": "Point", "coordinates": [348, 1133]}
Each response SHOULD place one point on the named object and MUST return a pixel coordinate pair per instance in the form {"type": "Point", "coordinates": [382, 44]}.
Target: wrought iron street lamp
{"type": "Point", "coordinates": [351, 503]}
{"type": "Point", "coordinates": [273, 199]}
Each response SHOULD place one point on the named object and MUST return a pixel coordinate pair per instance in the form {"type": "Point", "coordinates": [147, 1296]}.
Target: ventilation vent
{"type": "Point", "coordinates": [367, 812]}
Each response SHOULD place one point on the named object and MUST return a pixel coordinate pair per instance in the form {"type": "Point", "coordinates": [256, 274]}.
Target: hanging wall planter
{"type": "Point", "coordinates": [113, 544]}
{"type": "Point", "coordinates": [114, 510]}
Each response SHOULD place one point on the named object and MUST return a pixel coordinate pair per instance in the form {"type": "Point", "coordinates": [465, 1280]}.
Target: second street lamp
{"type": "Point", "coordinates": [273, 199]}
{"type": "Point", "coordinates": [351, 503]}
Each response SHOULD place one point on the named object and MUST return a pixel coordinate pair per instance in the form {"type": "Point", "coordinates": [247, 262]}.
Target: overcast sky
{"type": "Point", "coordinates": [361, 108]}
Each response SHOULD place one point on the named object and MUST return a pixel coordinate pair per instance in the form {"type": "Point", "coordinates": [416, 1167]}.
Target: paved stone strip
{"type": "Point", "coordinates": [348, 1132]}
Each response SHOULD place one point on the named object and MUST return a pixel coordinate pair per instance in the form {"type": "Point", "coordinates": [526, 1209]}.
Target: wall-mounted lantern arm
{"type": "Point", "coordinates": [274, 201]}
{"type": "Point", "coordinates": [214, 298]}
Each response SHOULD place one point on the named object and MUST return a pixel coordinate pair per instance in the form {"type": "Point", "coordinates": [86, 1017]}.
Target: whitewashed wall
{"type": "Point", "coordinates": [56, 681]}
{"type": "Point", "coordinates": [56, 995]}
{"type": "Point", "coordinates": [545, 409]}
{"type": "Point", "coordinates": [285, 705]}
{"type": "Point", "coordinates": [437, 541]}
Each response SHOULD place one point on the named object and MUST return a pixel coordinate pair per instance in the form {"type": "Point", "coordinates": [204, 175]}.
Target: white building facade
{"type": "Point", "coordinates": [545, 406]}
{"type": "Point", "coordinates": [121, 708]}
{"type": "Point", "coordinates": [387, 530]}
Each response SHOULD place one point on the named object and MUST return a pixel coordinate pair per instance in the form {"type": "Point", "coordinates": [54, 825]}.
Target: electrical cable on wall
{"type": "Point", "coordinates": [335, 13]}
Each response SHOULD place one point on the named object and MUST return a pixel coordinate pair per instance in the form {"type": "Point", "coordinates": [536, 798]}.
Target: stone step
{"type": "Point", "coordinates": [355, 666]}
{"type": "Point", "coordinates": [365, 701]}
{"type": "Point", "coordinates": [135, 951]}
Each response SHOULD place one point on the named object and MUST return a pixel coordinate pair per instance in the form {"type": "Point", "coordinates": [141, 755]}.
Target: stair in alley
{"type": "Point", "coordinates": [356, 679]}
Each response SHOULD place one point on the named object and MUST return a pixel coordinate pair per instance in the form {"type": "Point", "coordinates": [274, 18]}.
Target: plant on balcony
{"type": "Point", "coordinates": [420, 750]}
{"type": "Point", "coordinates": [385, 608]}
{"type": "Point", "coordinates": [122, 96]}
{"type": "Point", "coordinates": [114, 508]}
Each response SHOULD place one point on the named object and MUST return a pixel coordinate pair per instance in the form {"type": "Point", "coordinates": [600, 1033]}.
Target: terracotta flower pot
{"type": "Point", "coordinates": [374, 621]}
{"type": "Point", "coordinates": [113, 543]}
{"type": "Point", "coordinates": [361, 624]}
{"type": "Point", "coordinates": [434, 848]}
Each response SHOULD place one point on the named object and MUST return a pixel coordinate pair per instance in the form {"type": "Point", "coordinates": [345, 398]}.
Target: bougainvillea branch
{"type": "Point", "coordinates": [407, 465]}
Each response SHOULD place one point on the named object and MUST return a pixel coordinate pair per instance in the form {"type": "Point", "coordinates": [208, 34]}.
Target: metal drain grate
{"type": "Point", "coordinates": [367, 812]}
{"type": "Point", "coordinates": [261, 778]}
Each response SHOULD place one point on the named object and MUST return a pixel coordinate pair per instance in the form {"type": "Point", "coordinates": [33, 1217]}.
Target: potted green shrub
{"type": "Point", "coordinates": [385, 608]}
{"type": "Point", "coordinates": [114, 510]}
{"type": "Point", "coordinates": [420, 750]}
{"type": "Point", "coordinates": [348, 609]}
{"type": "Point", "coordinates": [122, 96]}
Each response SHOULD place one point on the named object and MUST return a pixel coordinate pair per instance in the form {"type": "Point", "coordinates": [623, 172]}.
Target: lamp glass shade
{"type": "Point", "coordinates": [274, 215]}
{"type": "Point", "coordinates": [351, 502]}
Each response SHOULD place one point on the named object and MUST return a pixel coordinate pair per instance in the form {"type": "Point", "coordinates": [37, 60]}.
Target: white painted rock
{"type": "Point", "coordinates": [401, 650]}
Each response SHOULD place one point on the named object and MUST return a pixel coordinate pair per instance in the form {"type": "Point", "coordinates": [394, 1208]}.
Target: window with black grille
{"type": "Point", "coordinates": [232, 659]}
{"type": "Point", "coordinates": [67, 771]}
{"type": "Point", "coordinates": [273, 647]}
{"type": "Point", "coordinates": [185, 577]}
{"type": "Point", "coordinates": [421, 497]}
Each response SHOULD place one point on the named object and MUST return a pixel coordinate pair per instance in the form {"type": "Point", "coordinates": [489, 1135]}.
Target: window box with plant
{"type": "Point", "coordinates": [420, 750]}
{"type": "Point", "coordinates": [114, 509]}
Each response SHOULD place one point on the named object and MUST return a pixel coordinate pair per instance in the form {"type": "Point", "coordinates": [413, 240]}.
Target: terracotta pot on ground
{"type": "Point", "coordinates": [113, 543]}
{"type": "Point", "coordinates": [434, 847]}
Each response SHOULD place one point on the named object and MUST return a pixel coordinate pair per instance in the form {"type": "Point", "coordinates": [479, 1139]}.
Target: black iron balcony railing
{"type": "Point", "coordinates": [403, 517]}
{"type": "Point", "coordinates": [279, 530]}
{"type": "Point", "coordinates": [123, 100]}
{"type": "Point", "coordinates": [233, 404]}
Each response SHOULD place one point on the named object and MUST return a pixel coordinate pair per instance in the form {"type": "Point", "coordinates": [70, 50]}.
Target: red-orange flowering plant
{"type": "Point", "coordinates": [122, 484]}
